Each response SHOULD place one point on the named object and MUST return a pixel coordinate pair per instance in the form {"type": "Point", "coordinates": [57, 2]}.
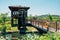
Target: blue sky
{"type": "Point", "coordinates": [37, 7]}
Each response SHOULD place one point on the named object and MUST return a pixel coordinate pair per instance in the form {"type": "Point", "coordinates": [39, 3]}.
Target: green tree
{"type": "Point", "coordinates": [3, 17]}
{"type": "Point", "coordinates": [35, 17]}
{"type": "Point", "coordinates": [50, 17]}
{"type": "Point", "coordinates": [30, 17]}
{"type": "Point", "coordinates": [3, 20]}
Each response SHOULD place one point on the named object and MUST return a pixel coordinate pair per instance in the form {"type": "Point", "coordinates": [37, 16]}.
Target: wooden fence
{"type": "Point", "coordinates": [52, 25]}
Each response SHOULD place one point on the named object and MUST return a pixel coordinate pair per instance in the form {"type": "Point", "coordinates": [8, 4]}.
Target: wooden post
{"type": "Point", "coordinates": [31, 21]}
{"type": "Point", "coordinates": [42, 24]}
{"type": "Point", "coordinates": [56, 26]}
{"type": "Point", "coordinates": [38, 23]}
{"type": "Point", "coordinates": [48, 27]}
{"type": "Point", "coordinates": [35, 23]}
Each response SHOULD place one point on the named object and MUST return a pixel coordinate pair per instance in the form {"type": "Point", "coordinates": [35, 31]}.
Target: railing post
{"type": "Point", "coordinates": [35, 21]}
{"type": "Point", "coordinates": [56, 26]}
{"type": "Point", "coordinates": [48, 28]}
{"type": "Point", "coordinates": [38, 23]}
{"type": "Point", "coordinates": [31, 21]}
{"type": "Point", "coordinates": [42, 24]}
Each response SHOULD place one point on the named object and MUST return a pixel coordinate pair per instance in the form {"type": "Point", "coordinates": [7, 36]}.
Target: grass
{"type": "Point", "coordinates": [33, 36]}
{"type": "Point", "coordinates": [31, 29]}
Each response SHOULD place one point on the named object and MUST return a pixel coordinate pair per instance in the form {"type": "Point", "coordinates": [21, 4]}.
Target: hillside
{"type": "Point", "coordinates": [55, 17]}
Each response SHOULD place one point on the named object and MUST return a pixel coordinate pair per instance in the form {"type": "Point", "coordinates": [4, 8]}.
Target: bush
{"type": "Point", "coordinates": [3, 29]}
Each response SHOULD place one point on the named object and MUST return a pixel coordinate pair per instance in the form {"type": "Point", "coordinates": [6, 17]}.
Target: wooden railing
{"type": "Point", "coordinates": [51, 26]}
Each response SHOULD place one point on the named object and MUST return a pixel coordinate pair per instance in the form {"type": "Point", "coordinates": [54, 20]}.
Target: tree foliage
{"type": "Point", "coordinates": [3, 17]}
{"type": "Point", "coordinates": [50, 17]}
